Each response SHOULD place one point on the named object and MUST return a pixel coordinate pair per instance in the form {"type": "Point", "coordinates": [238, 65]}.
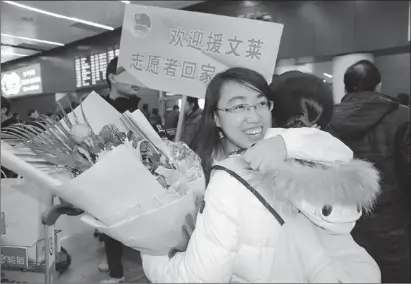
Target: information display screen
{"type": "Point", "coordinates": [91, 69]}
{"type": "Point", "coordinates": [22, 81]}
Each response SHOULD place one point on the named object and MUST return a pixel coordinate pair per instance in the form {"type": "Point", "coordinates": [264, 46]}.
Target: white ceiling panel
{"type": "Point", "coordinates": [21, 22]}
{"type": "Point", "coordinates": [102, 12]}
{"type": "Point", "coordinates": [10, 53]}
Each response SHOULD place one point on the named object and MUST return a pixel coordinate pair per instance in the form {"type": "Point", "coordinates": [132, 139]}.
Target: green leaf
{"type": "Point", "coordinates": [85, 118]}
{"type": "Point", "coordinates": [66, 119]}
{"type": "Point", "coordinates": [75, 115]}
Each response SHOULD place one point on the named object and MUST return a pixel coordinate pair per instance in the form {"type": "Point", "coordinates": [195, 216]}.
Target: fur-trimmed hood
{"type": "Point", "coordinates": [333, 196]}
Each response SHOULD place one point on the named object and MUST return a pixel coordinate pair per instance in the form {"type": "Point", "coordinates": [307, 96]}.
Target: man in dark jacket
{"type": "Point", "coordinates": [122, 97]}
{"type": "Point", "coordinates": [377, 128]}
{"type": "Point", "coordinates": [193, 114]}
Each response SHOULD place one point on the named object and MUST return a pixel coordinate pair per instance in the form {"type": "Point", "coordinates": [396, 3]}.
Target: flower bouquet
{"type": "Point", "coordinates": [135, 186]}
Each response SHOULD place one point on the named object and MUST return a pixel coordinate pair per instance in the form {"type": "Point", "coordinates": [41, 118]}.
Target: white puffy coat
{"type": "Point", "coordinates": [236, 238]}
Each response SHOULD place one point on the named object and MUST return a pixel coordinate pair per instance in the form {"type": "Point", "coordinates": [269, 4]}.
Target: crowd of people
{"type": "Point", "coordinates": [299, 189]}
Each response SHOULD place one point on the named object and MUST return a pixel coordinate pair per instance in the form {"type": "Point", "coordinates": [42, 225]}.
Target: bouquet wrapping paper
{"type": "Point", "coordinates": [155, 231]}
{"type": "Point", "coordinates": [120, 195]}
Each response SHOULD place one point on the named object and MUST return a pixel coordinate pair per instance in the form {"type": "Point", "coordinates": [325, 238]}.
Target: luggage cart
{"type": "Point", "coordinates": [43, 268]}
{"type": "Point", "coordinates": [49, 219]}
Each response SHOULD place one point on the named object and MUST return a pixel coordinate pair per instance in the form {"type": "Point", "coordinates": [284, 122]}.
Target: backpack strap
{"type": "Point", "coordinates": [253, 191]}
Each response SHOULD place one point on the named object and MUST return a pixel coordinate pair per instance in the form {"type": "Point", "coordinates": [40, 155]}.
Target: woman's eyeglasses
{"type": "Point", "coordinates": [241, 108]}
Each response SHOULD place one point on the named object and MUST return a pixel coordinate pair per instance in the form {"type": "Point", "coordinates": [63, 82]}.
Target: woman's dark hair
{"type": "Point", "coordinates": [111, 69]}
{"type": "Point", "coordinates": [5, 103]}
{"type": "Point", "coordinates": [301, 100]}
{"type": "Point", "coordinates": [207, 142]}
{"type": "Point", "coordinates": [192, 100]}
{"type": "Point", "coordinates": [361, 77]}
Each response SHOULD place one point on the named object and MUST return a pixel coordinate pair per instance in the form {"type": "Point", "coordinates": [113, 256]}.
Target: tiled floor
{"type": "Point", "coordinates": [87, 252]}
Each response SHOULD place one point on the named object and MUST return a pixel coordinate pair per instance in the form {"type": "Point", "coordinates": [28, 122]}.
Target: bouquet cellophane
{"type": "Point", "coordinates": [121, 196]}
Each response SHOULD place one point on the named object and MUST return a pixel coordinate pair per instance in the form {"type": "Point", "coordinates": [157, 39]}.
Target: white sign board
{"type": "Point", "coordinates": [179, 51]}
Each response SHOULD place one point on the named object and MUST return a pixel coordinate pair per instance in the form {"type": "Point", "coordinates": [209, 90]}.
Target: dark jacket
{"type": "Point", "coordinates": [191, 123]}
{"type": "Point", "coordinates": [377, 129]}
{"type": "Point", "coordinates": [171, 119]}
{"type": "Point", "coordinates": [124, 104]}
{"type": "Point", "coordinates": [155, 120]}
{"type": "Point", "coordinates": [9, 121]}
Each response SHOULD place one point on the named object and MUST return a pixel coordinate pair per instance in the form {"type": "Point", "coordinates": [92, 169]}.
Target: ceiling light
{"type": "Point", "coordinates": [59, 16]}
{"type": "Point", "coordinates": [126, 2]}
{"type": "Point", "coordinates": [33, 39]}
{"type": "Point", "coordinates": [249, 3]}
{"type": "Point", "coordinates": [12, 53]}
{"type": "Point", "coordinates": [328, 75]}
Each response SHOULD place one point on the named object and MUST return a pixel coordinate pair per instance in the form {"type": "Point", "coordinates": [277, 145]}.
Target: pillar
{"type": "Point", "coordinates": [340, 65]}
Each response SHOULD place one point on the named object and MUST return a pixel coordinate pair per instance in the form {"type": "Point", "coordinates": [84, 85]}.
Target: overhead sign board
{"type": "Point", "coordinates": [91, 69]}
{"type": "Point", "coordinates": [23, 81]}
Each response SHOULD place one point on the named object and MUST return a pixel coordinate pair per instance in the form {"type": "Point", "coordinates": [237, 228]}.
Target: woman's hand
{"type": "Point", "coordinates": [187, 229]}
{"type": "Point", "coordinates": [266, 153]}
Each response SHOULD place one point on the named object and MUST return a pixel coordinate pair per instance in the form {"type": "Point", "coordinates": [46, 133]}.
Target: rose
{"type": "Point", "coordinates": [80, 132]}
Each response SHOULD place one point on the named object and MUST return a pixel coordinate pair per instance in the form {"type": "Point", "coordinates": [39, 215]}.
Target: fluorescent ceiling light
{"type": "Point", "coordinates": [249, 3]}
{"type": "Point", "coordinates": [59, 16]}
{"type": "Point", "coordinates": [328, 75]}
{"type": "Point", "coordinates": [12, 54]}
{"type": "Point", "coordinates": [33, 39]}
{"type": "Point", "coordinates": [126, 2]}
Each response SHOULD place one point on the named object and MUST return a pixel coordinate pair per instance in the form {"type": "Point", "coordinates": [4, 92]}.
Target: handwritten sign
{"type": "Point", "coordinates": [180, 51]}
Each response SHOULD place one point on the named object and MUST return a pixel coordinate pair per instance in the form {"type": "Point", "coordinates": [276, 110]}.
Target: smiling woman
{"type": "Point", "coordinates": [236, 114]}
{"type": "Point", "coordinates": [243, 232]}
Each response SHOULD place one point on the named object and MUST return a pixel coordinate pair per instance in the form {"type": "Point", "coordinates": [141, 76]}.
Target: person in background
{"type": "Point", "coordinates": [16, 115]}
{"type": "Point", "coordinates": [146, 112]}
{"type": "Point", "coordinates": [155, 118]}
{"type": "Point", "coordinates": [377, 128]}
{"type": "Point", "coordinates": [34, 119]}
{"type": "Point", "coordinates": [6, 118]}
{"type": "Point", "coordinates": [404, 99]}
{"type": "Point", "coordinates": [171, 122]}
{"type": "Point", "coordinates": [74, 99]}
{"type": "Point", "coordinates": [34, 115]}
{"type": "Point", "coordinates": [172, 118]}
{"type": "Point", "coordinates": [123, 97]}
{"type": "Point", "coordinates": [192, 119]}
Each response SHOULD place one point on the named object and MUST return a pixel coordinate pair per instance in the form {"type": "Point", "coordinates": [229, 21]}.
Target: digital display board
{"type": "Point", "coordinates": [22, 81]}
{"type": "Point", "coordinates": [91, 69]}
